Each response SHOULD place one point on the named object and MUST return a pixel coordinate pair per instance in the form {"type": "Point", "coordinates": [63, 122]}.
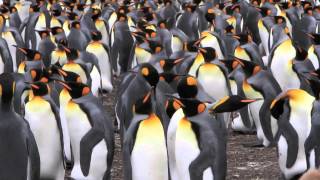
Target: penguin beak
{"type": "Point", "coordinates": [64, 84]}
{"type": "Point", "coordinates": [62, 73]}
{"type": "Point", "coordinates": [21, 49]}
{"type": "Point", "coordinates": [176, 99]}
{"type": "Point", "coordinates": [34, 86]}
{"type": "Point", "coordinates": [231, 103]}
{"type": "Point", "coordinates": [199, 40]}
{"type": "Point", "coordinates": [177, 61]}
{"type": "Point", "coordinates": [146, 98]}
{"type": "Point", "coordinates": [202, 50]}
{"type": "Point", "coordinates": [66, 49]}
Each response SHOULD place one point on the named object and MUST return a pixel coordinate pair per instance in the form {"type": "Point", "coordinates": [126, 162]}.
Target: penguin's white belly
{"type": "Point", "coordinates": [302, 127]}
{"type": "Point", "coordinates": [44, 127]}
{"type": "Point", "coordinates": [233, 87]}
{"type": "Point", "coordinates": [95, 83]}
{"type": "Point", "coordinates": [187, 150]}
{"type": "Point", "coordinates": [284, 75]}
{"type": "Point", "coordinates": [104, 64]}
{"type": "Point", "coordinates": [78, 125]}
{"type": "Point", "coordinates": [176, 44]}
{"type": "Point", "coordinates": [171, 139]}
{"type": "Point", "coordinates": [149, 158]}
{"type": "Point", "coordinates": [38, 41]}
{"type": "Point", "coordinates": [264, 36]}
{"type": "Point", "coordinates": [13, 50]}
{"type": "Point", "coordinates": [142, 56]}
{"type": "Point", "coordinates": [213, 81]}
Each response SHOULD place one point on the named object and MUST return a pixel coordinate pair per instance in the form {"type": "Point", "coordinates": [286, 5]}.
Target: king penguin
{"type": "Point", "coordinates": [91, 134]}
{"type": "Point", "coordinates": [293, 109]}
{"type": "Point", "coordinates": [21, 159]}
{"type": "Point", "coordinates": [145, 132]}
{"type": "Point", "coordinates": [98, 48]}
{"type": "Point", "coordinates": [43, 116]}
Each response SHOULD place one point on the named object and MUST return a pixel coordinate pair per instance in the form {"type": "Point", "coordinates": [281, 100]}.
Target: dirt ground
{"type": "Point", "coordinates": [244, 163]}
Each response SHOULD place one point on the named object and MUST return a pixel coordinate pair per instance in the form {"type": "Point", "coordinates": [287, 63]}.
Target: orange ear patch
{"type": "Point", "coordinates": [85, 91]}
{"type": "Point", "coordinates": [191, 81]}
{"type": "Point", "coordinates": [37, 56]}
{"type": "Point", "coordinates": [162, 62]}
{"type": "Point", "coordinates": [176, 104]}
{"type": "Point", "coordinates": [145, 71]}
{"type": "Point", "coordinates": [201, 108]}
{"type": "Point", "coordinates": [33, 74]}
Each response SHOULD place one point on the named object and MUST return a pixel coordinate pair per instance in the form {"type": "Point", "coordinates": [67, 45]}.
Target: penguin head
{"type": "Point", "coordinates": [229, 29]}
{"type": "Point", "coordinates": [43, 33]}
{"type": "Point", "coordinates": [72, 54]}
{"type": "Point", "coordinates": [150, 33]}
{"type": "Point", "coordinates": [75, 25]}
{"type": "Point", "coordinates": [168, 77]}
{"type": "Point", "coordinates": [31, 54]}
{"type": "Point", "coordinates": [190, 7]}
{"type": "Point", "coordinates": [80, 6]}
{"type": "Point", "coordinates": [72, 16]}
{"type": "Point", "coordinates": [279, 20]}
{"type": "Point", "coordinates": [243, 38]}
{"type": "Point", "coordinates": [61, 43]}
{"type": "Point", "coordinates": [301, 54]}
{"type": "Point", "coordinates": [315, 86]}
{"type": "Point", "coordinates": [139, 36]}
{"type": "Point", "coordinates": [4, 9]}
{"type": "Point", "coordinates": [155, 46]}
{"type": "Point", "coordinates": [285, 5]}
{"type": "Point", "coordinates": [162, 24]}
{"type": "Point", "coordinates": [187, 87]}
{"type": "Point", "coordinates": [210, 16]}
{"type": "Point", "coordinates": [192, 46]}
{"type": "Point", "coordinates": [76, 90]}
{"type": "Point", "coordinates": [41, 75]}
{"type": "Point", "coordinates": [68, 76]}
{"type": "Point", "coordinates": [264, 11]}
{"type": "Point", "coordinates": [168, 64]}
{"type": "Point", "coordinates": [208, 53]}
{"type": "Point", "coordinates": [56, 9]}
{"type": "Point", "coordinates": [96, 35]}
{"type": "Point", "coordinates": [34, 8]}
{"type": "Point", "coordinates": [190, 106]}
{"type": "Point", "coordinates": [96, 13]}
{"type": "Point", "coordinates": [172, 106]}
{"type": "Point", "coordinates": [122, 17]}
{"type": "Point", "coordinates": [315, 38]}
{"type": "Point", "coordinates": [56, 30]}
{"type": "Point", "coordinates": [40, 88]}
{"type": "Point", "coordinates": [149, 73]}
{"type": "Point", "coordinates": [144, 104]}
{"type": "Point", "coordinates": [7, 86]}
{"type": "Point", "coordinates": [230, 103]}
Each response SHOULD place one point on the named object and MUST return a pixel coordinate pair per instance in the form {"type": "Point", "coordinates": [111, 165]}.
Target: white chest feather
{"type": "Point", "coordinates": [149, 154]}
{"type": "Point", "coordinates": [78, 125]}
{"type": "Point", "coordinates": [43, 124]}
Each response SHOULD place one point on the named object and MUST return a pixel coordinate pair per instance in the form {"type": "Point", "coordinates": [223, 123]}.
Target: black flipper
{"type": "Point", "coordinates": [87, 143]}
{"type": "Point", "coordinates": [290, 135]}
{"type": "Point", "coordinates": [34, 157]}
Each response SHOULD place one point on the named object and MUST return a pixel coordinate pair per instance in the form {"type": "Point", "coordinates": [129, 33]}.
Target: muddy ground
{"type": "Point", "coordinates": [244, 163]}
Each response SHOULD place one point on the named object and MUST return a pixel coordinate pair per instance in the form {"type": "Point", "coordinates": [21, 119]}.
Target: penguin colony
{"type": "Point", "coordinates": [189, 71]}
